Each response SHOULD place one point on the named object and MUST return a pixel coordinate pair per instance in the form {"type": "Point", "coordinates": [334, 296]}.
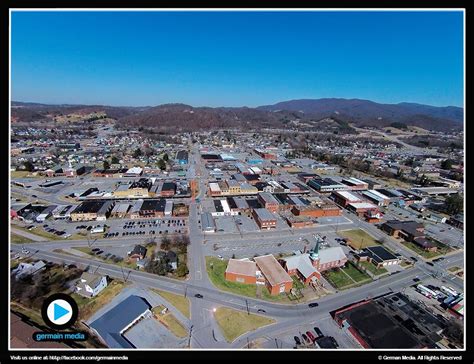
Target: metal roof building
{"type": "Point", "coordinates": [119, 319]}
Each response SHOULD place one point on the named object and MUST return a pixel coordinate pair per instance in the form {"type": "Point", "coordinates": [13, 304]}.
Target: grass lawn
{"type": "Point", "coordinates": [22, 174]}
{"type": "Point", "coordinates": [454, 269]}
{"type": "Point", "coordinates": [173, 325]}
{"type": "Point", "coordinates": [17, 239]}
{"type": "Point", "coordinates": [88, 306]}
{"type": "Point", "coordinates": [355, 274]}
{"type": "Point", "coordinates": [358, 238]}
{"type": "Point", "coordinates": [38, 231]}
{"type": "Point", "coordinates": [217, 277]}
{"type": "Point", "coordinates": [297, 283]}
{"type": "Point", "coordinates": [426, 254]}
{"type": "Point", "coordinates": [373, 269]}
{"type": "Point", "coordinates": [234, 323]}
{"type": "Point", "coordinates": [406, 263]}
{"type": "Point", "coordinates": [180, 302]}
{"type": "Point", "coordinates": [337, 278]}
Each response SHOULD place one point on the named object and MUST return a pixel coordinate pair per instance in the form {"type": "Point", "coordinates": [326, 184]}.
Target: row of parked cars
{"type": "Point", "coordinates": [309, 337]}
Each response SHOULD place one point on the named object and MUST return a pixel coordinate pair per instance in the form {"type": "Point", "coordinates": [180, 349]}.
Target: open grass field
{"type": "Point", "coordinates": [454, 269]}
{"type": "Point", "coordinates": [358, 238]}
{"type": "Point", "coordinates": [17, 239]}
{"type": "Point", "coordinates": [235, 323]}
{"type": "Point", "coordinates": [180, 302]}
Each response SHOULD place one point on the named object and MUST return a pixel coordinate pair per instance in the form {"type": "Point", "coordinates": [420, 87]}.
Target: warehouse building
{"type": "Point", "coordinates": [327, 185]}
{"type": "Point", "coordinates": [90, 210]}
{"type": "Point", "coordinates": [355, 184]}
{"type": "Point", "coordinates": [344, 198]}
{"type": "Point", "coordinates": [207, 223]}
{"type": "Point", "coordinates": [376, 197]}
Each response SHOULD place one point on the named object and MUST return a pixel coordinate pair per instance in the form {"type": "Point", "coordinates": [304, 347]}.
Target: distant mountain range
{"type": "Point", "coordinates": [309, 113]}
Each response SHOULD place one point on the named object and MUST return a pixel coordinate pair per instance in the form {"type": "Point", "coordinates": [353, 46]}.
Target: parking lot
{"type": "Point", "coordinates": [305, 335]}
{"type": "Point", "coordinates": [150, 334]}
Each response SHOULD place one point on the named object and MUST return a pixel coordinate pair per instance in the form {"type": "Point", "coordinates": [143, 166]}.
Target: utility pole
{"type": "Point", "coordinates": [247, 304]}
{"type": "Point", "coordinates": [185, 290]}
{"type": "Point", "coordinates": [190, 332]}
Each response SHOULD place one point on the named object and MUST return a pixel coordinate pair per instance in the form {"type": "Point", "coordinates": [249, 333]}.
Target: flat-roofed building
{"type": "Point", "coordinates": [377, 197]}
{"type": "Point", "coordinates": [87, 211]}
{"type": "Point", "coordinates": [327, 185]}
{"type": "Point", "coordinates": [120, 210]}
{"type": "Point", "coordinates": [360, 208]}
{"type": "Point", "coordinates": [168, 189]}
{"type": "Point", "coordinates": [344, 198]}
{"type": "Point", "coordinates": [134, 211]}
{"type": "Point", "coordinates": [355, 184]}
{"type": "Point", "coordinates": [214, 189]}
{"type": "Point", "coordinates": [268, 201]}
{"type": "Point", "coordinates": [207, 223]}
{"type": "Point", "coordinates": [277, 280]}
{"type": "Point", "coordinates": [264, 218]}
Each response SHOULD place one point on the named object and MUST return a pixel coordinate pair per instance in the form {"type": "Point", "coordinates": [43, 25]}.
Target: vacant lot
{"type": "Point", "coordinates": [170, 322]}
{"type": "Point", "coordinates": [180, 302]}
{"type": "Point", "coordinates": [358, 238]}
{"type": "Point", "coordinates": [88, 306]}
{"type": "Point", "coordinates": [17, 239]}
{"type": "Point", "coordinates": [234, 323]}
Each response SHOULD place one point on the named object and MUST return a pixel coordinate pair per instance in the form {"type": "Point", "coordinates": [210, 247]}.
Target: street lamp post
{"type": "Point", "coordinates": [190, 332]}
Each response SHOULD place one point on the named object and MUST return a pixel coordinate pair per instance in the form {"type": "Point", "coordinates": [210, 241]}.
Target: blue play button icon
{"type": "Point", "coordinates": [59, 311]}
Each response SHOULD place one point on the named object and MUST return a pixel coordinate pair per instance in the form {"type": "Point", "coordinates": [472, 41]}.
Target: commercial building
{"type": "Point", "coordinates": [378, 256]}
{"type": "Point", "coordinates": [277, 279]}
{"type": "Point", "coordinates": [152, 208]}
{"type": "Point", "coordinates": [410, 231]}
{"type": "Point", "coordinates": [268, 201]}
{"type": "Point", "coordinates": [327, 185]}
{"type": "Point", "coordinates": [360, 208]}
{"type": "Point", "coordinates": [92, 210]}
{"type": "Point", "coordinates": [355, 184]}
{"type": "Point", "coordinates": [376, 197]}
{"type": "Point", "coordinates": [391, 322]}
{"type": "Point", "coordinates": [120, 210]}
{"type": "Point", "coordinates": [112, 325]}
{"type": "Point", "coordinates": [317, 210]}
{"type": "Point", "coordinates": [343, 198]}
{"type": "Point", "coordinates": [182, 157]}
{"type": "Point", "coordinates": [264, 218]}
{"type": "Point", "coordinates": [207, 223]}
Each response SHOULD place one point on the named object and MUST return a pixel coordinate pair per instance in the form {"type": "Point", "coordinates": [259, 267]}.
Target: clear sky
{"type": "Point", "coordinates": [236, 58]}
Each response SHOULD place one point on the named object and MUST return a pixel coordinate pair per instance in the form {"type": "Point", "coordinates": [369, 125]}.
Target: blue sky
{"type": "Point", "coordinates": [236, 58]}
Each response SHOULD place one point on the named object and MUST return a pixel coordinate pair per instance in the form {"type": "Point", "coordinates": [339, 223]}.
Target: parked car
{"type": "Point", "coordinates": [313, 304]}
{"type": "Point", "coordinates": [430, 263]}
{"type": "Point", "coordinates": [318, 331]}
{"type": "Point", "coordinates": [416, 279]}
{"type": "Point", "coordinates": [297, 340]}
{"type": "Point", "coordinates": [197, 295]}
{"type": "Point", "coordinates": [261, 310]}
{"type": "Point", "coordinates": [95, 249]}
{"type": "Point", "coordinates": [311, 336]}
{"type": "Point", "coordinates": [414, 259]}
{"type": "Point", "coordinates": [306, 338]}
